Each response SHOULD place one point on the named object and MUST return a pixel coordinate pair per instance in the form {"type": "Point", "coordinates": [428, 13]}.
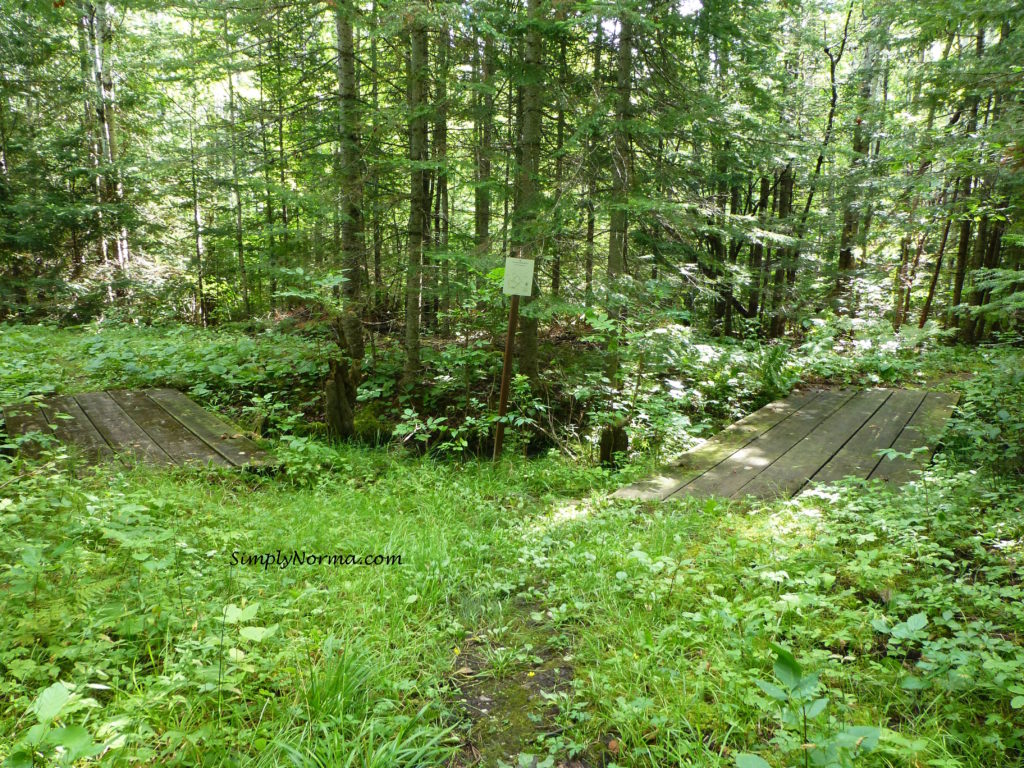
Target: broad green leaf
{"type": "Point", "coordinates": [19, 759]}
{"type": "Point", "coordinates": [747, 760]}
{"type": "Point", "coordinates": [861, 737]}
{"type": "Point", "coordinates": [786, 667]}
{"type": "Point", "coordinates": [914, 683]}
{"type": "Point", "coordinates": [816, 707]}
{"type": "Point", "coordinates": [51, 702]}
{"type": "Point", "coordinates": [257, 634]}
{"type": "Point", "coordinates": [75, 739]}
{"type": "Point", "coordinates": [917, 622]}
{"type": "Point", "coordinates": [772, 690]}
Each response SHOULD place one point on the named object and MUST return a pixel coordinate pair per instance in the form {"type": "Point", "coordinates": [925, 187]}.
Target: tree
{"type": "Point", "coordinates": [418, 77]}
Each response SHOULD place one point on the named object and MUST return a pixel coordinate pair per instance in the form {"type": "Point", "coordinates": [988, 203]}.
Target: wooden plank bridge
{"type": "Point", "coordinates": [154, 426]}
{"type": "Point", "coordinates": [812, 437]}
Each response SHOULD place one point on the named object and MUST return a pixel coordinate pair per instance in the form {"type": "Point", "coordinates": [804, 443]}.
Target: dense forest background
{"type": "Point", "coordinates": [748, 170]}
{"type": "Point", "coordinates": [297, 213]}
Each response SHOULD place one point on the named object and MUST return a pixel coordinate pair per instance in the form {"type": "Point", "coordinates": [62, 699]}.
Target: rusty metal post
{"type": "Point", "coordinates": [506, 375]}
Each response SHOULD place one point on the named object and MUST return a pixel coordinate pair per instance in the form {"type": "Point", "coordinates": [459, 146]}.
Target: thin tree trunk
{"type": "Point", "coordinates": [757, 251]}
{"type": "Point", "coordinates": [526, 241]}
{"type": "Point", "coordinates": [235, 184]}
{"type": "Point", "coordinates": [593, 169]}
{"type": "Point", "coordinates": [441, 220]}
{"type": "Point", "coordinates": [418, 193]}
{"type": "Point", "coordinates": [559, 239]}
{"type": "Point", "coordinates": [963, 246]}
{"type": "Point", "coordinates": [938, 263]}
{"type": "Point", "coordinates": [350, 177]}
{"type": "Point", "coordinates": [614, 440]}
{"type": "Point", "coordinates": [484, 119]}
{"type": "Point", "coordinates": [778, 322]}
{"type": "Point", "coordinates": [197, 230]}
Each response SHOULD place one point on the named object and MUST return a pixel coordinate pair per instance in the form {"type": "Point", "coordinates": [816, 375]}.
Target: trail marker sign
{"type": "Point", "coordinates": [518, 277]}
{"type": "Point", "coordinates": [518, 282]}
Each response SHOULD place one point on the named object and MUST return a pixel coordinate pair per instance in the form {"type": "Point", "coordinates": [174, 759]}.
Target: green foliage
{"type": "Point", "coordinates": [131, 637]}
{"type": "Point", "coordinates": [225, 365]}
{"type": "Point", "coordinates": [806, 733]}
{"type": "Point", "coordinates": [989, 429]}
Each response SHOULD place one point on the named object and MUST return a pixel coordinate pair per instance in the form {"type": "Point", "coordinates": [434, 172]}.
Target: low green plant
{"type": "Point", "coordinates": [808, 736]}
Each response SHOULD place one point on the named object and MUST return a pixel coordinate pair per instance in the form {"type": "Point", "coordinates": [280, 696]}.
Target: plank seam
{"type": "Point", "coordinates": [738, 493]}
{"type": "Point", "coordinates": [768, 431]}
{"type": "Point", "coordinates": [738, 448]}
{"type": "Point", "coordinates": [129, 418]}
{"type": "Point", "coordinates": [910, 418]}
{"type": "Point", "coordinates": [50, 406]}
{"type": "Point", "coordinates": [89, 418]}
{"type": "Point", "coordinates": [199, 437]}
{"type": "Point", "coordinates": [152, 436]}
{"type": "Point", "coordinates": [870, 416]}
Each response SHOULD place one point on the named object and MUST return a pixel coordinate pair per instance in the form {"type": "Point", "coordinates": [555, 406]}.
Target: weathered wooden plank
{"type": "Point", "coordinates": [176, 441]}
{"type": "Point", "coordinates": [738, 469]}
{"type": "Point", "coordinates": [791, 470]}
{"type": "Point", "coordinates": [72, 426]}
{"type": "Point", "coordinates": [118, 429]}
{"type": "Point", "coordinates": [217, 434]}
{"type": "Point", "coordinates": [923, 430]}
{"type": "Point", "coordinates": [860, 454]}
{"type": "Point", "coordinates": [703, 457]}
{"type": "Point", "coordinates": [23, 419]}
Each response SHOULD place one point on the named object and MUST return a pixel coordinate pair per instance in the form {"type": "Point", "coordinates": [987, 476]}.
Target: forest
{"type": "Point", "coordinates": [306, 218]}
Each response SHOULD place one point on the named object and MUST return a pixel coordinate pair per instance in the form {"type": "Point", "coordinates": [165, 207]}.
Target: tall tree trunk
{"type": "Point", "coordinates": [778, 321]}
{"type": "Point", "coordinates": [88, 119]}
{"type": "Point", "coordinates": [441, 215]}
{"type": "Point", "coordinates": [236, 189]}
{"type": "Point", "coordinates": [757, 251]}
{"type": "Point", "coordinates": [559, 239]}
{"type": "Point", "coordinates": [526, 239]}
{"type": "Point", "coordinates": [282, 163]}
{"type": "Point", "coordinates": [861, 149]}
{"type": "Point", "coordinates": [197, 229]}
{"type": "Point", "coordinates": [268, 197]}
{"type": "Point", "coordinates": [964, 244]}
{"type": "Point", "coordinates": [938, 262]}
{"type": "Point", "coordinates": [350, 177]}
{"type": "Point", "coordinates": [484, 125]}
{"type": "Point", "coordinates": [342, 382]}
{"type": "Point", "coordinates": [418, 77]}
{"type": "Point", "coordinates": [614, 439]}
{"type": "Point", "coordinates": [792, 255]}
{"type": "Point", "coordinates": [593, 169]}
{"type": "Point", "coordinates": [378, 278]}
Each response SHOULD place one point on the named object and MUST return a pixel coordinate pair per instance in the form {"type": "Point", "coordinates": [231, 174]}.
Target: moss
{"type": "Point", "coordinates": [370, 428]}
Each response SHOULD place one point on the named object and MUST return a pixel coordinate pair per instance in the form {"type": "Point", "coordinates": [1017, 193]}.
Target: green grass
{"type": "Point", "coordinates": [129, 637]}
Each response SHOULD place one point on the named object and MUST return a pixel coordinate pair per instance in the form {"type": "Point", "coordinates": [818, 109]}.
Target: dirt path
{"type": "Point", "coordinates": [509, 685]}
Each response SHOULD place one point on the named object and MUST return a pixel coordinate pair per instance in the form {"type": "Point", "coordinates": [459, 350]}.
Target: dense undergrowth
{"type": "Point", "coordinates": [882, 627]}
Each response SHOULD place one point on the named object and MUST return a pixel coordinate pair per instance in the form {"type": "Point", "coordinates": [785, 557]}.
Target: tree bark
{"type": "Point", "coordinates": [938, 263]}
{"type": "Point", "coordinates": [441, 213]}
{"type": "Point", "coordinates": [614, 440]}
{"type": "Point", "coordinates": [484, 126]}
{"type": "Point", "coordinates": [418, 194]}
{"type": "Point", "coordinates": [235, 183]}
{"type": "Point", "coordinates": [757, 251]}
{"type": "Point", "coordinates": [778, 321]}
{"type": "Point", "coordinates": [526, 239]}
{"type": "Point", "coordinates": [342, 383]}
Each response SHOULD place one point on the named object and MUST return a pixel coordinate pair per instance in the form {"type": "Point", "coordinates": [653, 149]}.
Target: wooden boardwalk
{"type": "Point", "coordinates": [810, 437]}
{"type": "Point", "coordinates": [155, 426]}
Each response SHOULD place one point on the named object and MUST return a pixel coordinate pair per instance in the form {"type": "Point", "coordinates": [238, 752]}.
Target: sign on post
{"type": "Point", "coordinates": [518, 277]}
{"type": "Point", "coordinates": [518, 282]}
